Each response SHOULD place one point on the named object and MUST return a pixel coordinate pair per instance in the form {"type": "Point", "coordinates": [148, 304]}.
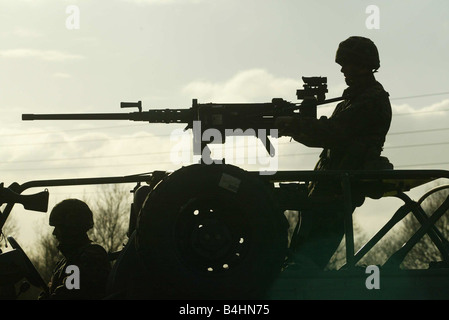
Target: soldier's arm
{"type": "Point", "coordinates": [358, 119]}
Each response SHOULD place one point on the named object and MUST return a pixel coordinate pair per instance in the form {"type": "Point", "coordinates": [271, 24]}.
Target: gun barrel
{"type": "Point", "coordinates": [153, 116]}
{"type": "Point", "coordinates": [76, 116]}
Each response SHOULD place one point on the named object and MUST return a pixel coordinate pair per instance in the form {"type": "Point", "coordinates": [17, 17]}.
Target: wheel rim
{"type": "Point", "coordinates": [211, 238]}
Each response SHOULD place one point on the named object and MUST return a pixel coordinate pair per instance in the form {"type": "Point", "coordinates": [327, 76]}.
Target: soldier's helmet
{"type": "Point", "coordinates": [72, 214]}
{"type": "Point", "coordinates": [358, 50]}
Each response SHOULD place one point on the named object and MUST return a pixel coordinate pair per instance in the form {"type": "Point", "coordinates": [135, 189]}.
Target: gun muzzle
{"type": "Point", "coordinates": [27, 116]}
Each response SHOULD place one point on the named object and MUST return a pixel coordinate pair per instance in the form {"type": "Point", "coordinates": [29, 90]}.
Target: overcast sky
{"type": "Point", "coordinates": [88, 56]}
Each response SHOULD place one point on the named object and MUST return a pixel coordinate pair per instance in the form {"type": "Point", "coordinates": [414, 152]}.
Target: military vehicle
{"type": "Point", "coordinates": [212, 230]}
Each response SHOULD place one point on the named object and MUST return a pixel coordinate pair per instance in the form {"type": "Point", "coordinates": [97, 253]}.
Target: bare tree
{"type": "Point", "coordinates": [425, 250]}
{"type": "Point", "coordinates": [360, 238]}
{"type": "Point", "coordinates": [46, 255]}
{"type": "Point", "coordinates": [379, 253]}
{"type": "Point", "coordinates": [111, 213]}
{"type": "Point", "coordinates": [339, 257]}
{"type": "Point", "coordinates": [9, 229]}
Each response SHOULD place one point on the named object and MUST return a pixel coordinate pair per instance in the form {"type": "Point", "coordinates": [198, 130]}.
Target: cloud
{"type": "Point", "coordinates": [404, 108]}
{"type": "Point", "coordinates": [61, 75]}
{"type": "Point", "coordinates": [49, 55]}
{"type": "Point", "coordinates": [438, 108]}
{"type": "Point", "coordinates": [26, 33]}
{"type": "Point", "coordinates": [71, 152]}
{"type": "Point", "coordinates": [163, 2]}
{"type": "Point", "coordinates": [255, 85]}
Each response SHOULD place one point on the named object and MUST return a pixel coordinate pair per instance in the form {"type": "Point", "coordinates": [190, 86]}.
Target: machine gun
{"type": "Point", "coordinates": [227, 119]}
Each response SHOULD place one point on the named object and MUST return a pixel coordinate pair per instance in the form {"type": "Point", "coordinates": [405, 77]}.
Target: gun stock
{"type": "Point", "coordinates": [34, 202]}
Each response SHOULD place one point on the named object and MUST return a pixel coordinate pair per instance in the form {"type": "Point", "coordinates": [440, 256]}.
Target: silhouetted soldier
{"type": "Point", "coordinates": [72, 218]}
{"type": "Point", "coordinates": [352, 139]}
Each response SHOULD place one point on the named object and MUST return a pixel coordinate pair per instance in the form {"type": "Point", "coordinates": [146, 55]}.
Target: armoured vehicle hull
{"type": "Point", "coordinates": [218, 232]}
